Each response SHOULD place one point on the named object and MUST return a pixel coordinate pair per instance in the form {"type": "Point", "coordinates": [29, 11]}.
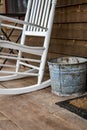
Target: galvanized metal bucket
{"type": "Point", "coordinates": [68, 75]}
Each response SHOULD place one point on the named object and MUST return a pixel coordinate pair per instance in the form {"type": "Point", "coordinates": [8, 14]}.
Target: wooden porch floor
{"type": "Point", "coordinates": [36, 111]}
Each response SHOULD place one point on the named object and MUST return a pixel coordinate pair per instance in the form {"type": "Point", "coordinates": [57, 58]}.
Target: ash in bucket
{"type": "Point", "coordinates": [68, 75]}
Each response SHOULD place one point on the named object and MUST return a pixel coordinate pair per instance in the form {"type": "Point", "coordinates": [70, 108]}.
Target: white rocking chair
{"type": "Point", "coordinates": [38, 22]}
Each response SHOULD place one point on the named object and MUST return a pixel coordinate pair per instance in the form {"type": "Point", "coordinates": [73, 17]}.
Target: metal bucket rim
{"type": "Point", "coordinates": [68, 64]}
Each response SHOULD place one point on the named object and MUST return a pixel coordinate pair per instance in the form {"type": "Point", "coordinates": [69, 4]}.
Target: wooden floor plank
{"type": "Point", "coordinates": [28, 115]}
{"type": "Point", "coordinates": [36, 110]}
{"type": "Point", "coordinates": [7, 124]}
{"type": "Point", "coordinates": [71, 119]}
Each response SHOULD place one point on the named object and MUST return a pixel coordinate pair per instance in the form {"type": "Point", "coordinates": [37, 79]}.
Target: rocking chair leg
{"type": "Point", "coordinates": [27, 89]}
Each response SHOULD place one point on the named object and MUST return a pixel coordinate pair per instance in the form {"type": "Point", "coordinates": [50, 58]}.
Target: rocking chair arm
{"type": "Point", "coordinates": [9, 19]}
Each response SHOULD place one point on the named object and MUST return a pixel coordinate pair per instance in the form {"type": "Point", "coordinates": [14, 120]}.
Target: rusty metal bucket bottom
{"type": "Point", "coordinates": [68, 75]}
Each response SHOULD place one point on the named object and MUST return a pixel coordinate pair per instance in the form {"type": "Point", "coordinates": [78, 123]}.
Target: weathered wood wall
{"type": "Point", "coordinates": [2, 6]}
{"type": "Point", "coordinates": [69, 35]}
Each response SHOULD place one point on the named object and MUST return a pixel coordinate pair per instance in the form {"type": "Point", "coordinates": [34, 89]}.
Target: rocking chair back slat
{"type": "Point", "coordinates": [44, 12]}
{"type": "Point", "coordinates": [39, 14]}
{"type": "Point", "coordinates": [47, 13]}
{"type": "Point", "coordinates": [40, 8]}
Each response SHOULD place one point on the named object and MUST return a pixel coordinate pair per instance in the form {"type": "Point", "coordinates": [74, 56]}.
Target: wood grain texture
{"type": "Point", "coordinates": [70, 2]}
{"type": "Point", "coordinates": [36, 111]}
{"type": "Point", "coordinates": [26, 114]}
{"type": "Point", "coordinates": [69, 34]}
{"type": "Point", "coordinates": [69, 47]}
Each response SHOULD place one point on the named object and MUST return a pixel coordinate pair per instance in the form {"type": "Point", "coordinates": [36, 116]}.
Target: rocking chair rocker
{"type": "Point", "coordinates": [38, 22]}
